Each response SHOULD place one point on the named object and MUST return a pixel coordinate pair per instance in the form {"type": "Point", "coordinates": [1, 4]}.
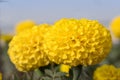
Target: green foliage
{"type": "Point", "coordinates": [53, 75]}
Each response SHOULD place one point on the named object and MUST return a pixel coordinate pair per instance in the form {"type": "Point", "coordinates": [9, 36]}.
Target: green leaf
{"type": "Point", "coordinates": [49, 72]}
{"type": "Point", "coordinates": [58, 78]}
{"type": "Point", "coordinates": [47, 78]}
{"type": "Point", "coordinates": [60, 74]}
{"type": "Point", "coordinates": [57, 68]}
{"type": "Point", "coordinates": [38, 72]}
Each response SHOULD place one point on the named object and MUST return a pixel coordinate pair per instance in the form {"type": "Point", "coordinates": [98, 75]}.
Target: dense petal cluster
{"type": "Point", "coordinates": [26, 49]}
{"type": "Point", "coordinates": [115, 26]}
{"type": "Point", "coordinates": [77, 42]}
{"type": "Point", "coordinates": [21, 26]}
{"type": "Point", "coordinates": [107, 72]}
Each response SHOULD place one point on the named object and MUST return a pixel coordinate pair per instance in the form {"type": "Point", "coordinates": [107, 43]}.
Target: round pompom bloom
{"type": "Point", "coordinates": [26, 49]}
{"type": "Point", "coordinates": [106, 72]}
{"type": "Point", "coordinates": [21, 26]}
{"type": "Point", "coordinates": [115, 26]}
{"type": "Point", "coordinates": [77, 42]}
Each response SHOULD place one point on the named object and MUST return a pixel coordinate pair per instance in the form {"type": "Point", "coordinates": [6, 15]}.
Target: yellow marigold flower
{"type": "Point", "coordinates": [65, 68]}
{"type": "Point", "coordinates": [74, 42]}
{"type": "Point", "coordinates": [115, 26]}
{"type": "Point", "coordinates": [106, 72]}
{"type": "Point", "coordinates": [0, 76]}
{"type": "Point", "coordinates": [21, 26]}
{"type": "Point", "coordinates": [118, 73]}
{"type": "Point", "coordinates": [6, 37]}
{"type": "Point", "coordinates": [26, 49]}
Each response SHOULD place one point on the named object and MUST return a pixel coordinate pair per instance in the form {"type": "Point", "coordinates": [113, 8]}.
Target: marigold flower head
{"type": "Point", "coordinates": [77, 42]}
{"type": "Point", "coordinates": [106, 72]}
{"type": "Point", "coordinates": [26, 49]}
{"type": "Point", "coordinates": [21, 26]}
{"type": "Point", "coordinates": [115, 26]}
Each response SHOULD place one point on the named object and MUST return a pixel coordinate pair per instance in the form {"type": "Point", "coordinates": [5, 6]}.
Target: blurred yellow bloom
{"type": "Point", "coordinates": [21, 26]}
{"type": "Point", "coordinates": [118, 73]}
{"type": "Point", "coordinates": [0, 76]}
{"type": "Point", "coordinates": [107, 72]}
{"type": "Point", "coordinates": [65, 68]}
{"type": "Point", "coordinates": [115, 26]}
{"type": "Point", "coordinates": [26, 49]}
{"type": "Point", "coordinates": [6, 37]}
{"type": "Point", "coordinates": [77, 42]}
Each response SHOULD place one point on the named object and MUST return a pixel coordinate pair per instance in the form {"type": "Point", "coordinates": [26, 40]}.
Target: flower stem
{"type": "Point", "coordinates": [52, 67]}
{"type": "Point", "coordinates": [31, 75]}
{"type": "Point", "coordinates": [75, 72]}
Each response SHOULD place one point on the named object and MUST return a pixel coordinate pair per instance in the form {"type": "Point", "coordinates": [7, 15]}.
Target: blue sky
{"type": "Point", "coordinates": [48, 11]}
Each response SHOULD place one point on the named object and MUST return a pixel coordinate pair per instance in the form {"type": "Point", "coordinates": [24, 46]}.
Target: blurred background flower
{"type": "Point", "coordinates": [6, 37]}
{"type": "Point", "coordinates": [106, 72]}
{"type": "Point", "coordinates": [23, 25]}
{"type": "Point", "coordinates": [115, 26]}
{"type": "Point", "coordinates": [0, 76]}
